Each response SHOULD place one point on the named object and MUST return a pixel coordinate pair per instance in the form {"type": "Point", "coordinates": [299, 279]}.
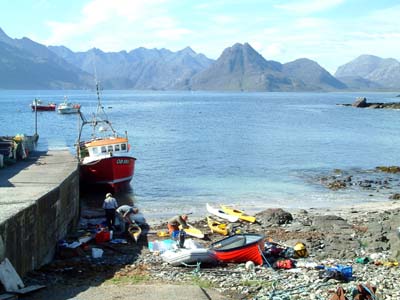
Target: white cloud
{"type": "Point", "coordinates": [285, 36]}
{"type": "Point", "coordinates": [309, 6]}
{"type": "Point", "coordinates": [120, 19]}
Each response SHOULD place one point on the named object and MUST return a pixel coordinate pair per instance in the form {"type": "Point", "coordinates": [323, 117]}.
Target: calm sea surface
{"type": "Point", "coordinates": [255, 150]}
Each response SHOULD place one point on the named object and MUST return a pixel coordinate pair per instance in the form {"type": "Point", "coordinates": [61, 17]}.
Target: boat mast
{"type": "Point", "coordinates": [96, 120]}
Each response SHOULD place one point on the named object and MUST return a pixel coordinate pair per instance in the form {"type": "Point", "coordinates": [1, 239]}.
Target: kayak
{"type": "Point", "coordinates": [239, 213]}
{"type": "Point", "coordinates": [217, 227]}
{"type": "Point", "coordinates": [193, 231]}
{"type": "Point", "coordinates": [134, 231]}
{"type": "Point", "coordinates": [220, 213]}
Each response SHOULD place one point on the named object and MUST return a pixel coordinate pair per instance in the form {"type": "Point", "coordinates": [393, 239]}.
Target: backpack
{"type": "Point", "coordinates": [284, 264]}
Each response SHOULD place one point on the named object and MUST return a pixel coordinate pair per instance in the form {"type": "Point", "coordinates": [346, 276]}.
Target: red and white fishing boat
{"type": "Point", "coordinates": [38, 105]}
{"type": "Point", "coordinates": [105, 158]}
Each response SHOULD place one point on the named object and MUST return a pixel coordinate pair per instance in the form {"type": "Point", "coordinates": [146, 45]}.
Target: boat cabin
{"type": "Point", "coordinates": [103, 147]}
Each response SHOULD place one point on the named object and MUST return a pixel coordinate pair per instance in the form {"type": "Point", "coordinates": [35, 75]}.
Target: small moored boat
{"type": "Point", "coordinates": [239, 213]}
{"type": "Point", "coordinates": [68, 107]}
{"type": "Point", "coordinates": [240, 248]}
{"type": "Point", "coordinates": [220, 213]}
{"type": "Point", "coordinates": [39, 105]}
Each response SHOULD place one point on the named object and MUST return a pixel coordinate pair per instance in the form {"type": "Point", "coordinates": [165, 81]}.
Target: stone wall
{"type": "Point", "coordinates": [29, 238]}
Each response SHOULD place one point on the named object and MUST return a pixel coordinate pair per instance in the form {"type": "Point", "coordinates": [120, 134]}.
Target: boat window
{"type": "Point", "coordinates": [123, 147]}
{"type": "Point", "coordinates": [116, 147]}
{"type": "Point", "coordinates": [95, 150]}
{"type": "Point", "coordinates": [110, 148]}
{"type": "Point", "coordinates": [103, 149]}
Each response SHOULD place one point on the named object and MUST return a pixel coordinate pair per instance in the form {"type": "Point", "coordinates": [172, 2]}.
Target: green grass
{"type": "Point", "coordinates": [363, 244]}
{"type": "Point", "coordinates": [132, 279]}
{"type": "Point", "coordinates": [205, 284]}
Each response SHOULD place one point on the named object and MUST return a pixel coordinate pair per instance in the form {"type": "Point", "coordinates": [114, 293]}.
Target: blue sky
{"type": "Point", "coordinates": [331, 32]}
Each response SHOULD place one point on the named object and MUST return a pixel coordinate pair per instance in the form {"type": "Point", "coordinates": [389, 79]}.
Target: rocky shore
{"type": "Point", "coordinates": [361, 102]}
{"type": "Point", "coordinates": [365, 237]}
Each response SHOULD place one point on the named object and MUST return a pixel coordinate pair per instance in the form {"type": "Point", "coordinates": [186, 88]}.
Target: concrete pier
{"type": "Point", "coordinates": [39, 204]}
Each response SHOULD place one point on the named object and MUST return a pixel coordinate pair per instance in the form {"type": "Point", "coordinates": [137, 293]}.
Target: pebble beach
{"type": "Point", "coordinates": [363, 237]}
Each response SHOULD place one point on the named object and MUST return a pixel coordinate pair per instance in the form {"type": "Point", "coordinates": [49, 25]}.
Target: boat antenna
{"type": "Point", "coordinates": [100, 108]}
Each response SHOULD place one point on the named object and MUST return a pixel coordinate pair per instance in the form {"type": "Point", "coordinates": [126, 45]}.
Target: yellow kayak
{"type": "Point", "coordinates": [193, 231]}
{"type": "Point", "coordinates": [135, 231]}
{"type": "Point", "coordinates": [217, 227]}
{"type": "Point", "coordinates": [239, 213]}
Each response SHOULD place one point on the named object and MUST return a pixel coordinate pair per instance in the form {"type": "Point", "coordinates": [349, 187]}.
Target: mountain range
{"type": "Point", "coordinates": [25, 64]}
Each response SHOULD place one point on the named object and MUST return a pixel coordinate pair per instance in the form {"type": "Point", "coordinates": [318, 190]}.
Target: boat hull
{"type": "Point", "coordinates": [43, 107]}
{"type": "Point", "coordinates": [240, 248]}
{"type": "Point", "coordinates": [68, 110]}
{"type": "Point", "coordinates": [115, 172]}
{"type": "Point", "coordinates": [181, 257]}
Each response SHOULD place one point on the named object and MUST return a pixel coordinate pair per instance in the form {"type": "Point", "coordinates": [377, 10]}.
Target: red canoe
{"type": "Point", "coordinates": [240, 248]}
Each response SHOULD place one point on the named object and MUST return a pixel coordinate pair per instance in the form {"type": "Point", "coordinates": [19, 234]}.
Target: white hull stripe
{"type": "Point", "coordinates": [115, 181]}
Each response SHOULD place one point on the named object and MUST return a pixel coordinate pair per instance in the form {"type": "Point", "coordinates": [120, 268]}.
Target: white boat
{"type": "Point", "coordinates": [68, 107]}
{"type": "Point", "coordinates": [220, 213]}
{"type": "Point", "coordinates": [192, 253]}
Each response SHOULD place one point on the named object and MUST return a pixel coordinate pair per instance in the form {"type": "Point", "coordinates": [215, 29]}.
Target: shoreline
{"type": "Point", "coordinates": [375, 206]}
{"type": "Point", "coordinates": [159, 219]}
{"type": "Point", "coordinates": [335, 236]}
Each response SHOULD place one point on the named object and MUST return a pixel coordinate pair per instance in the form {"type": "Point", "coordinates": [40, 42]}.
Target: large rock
{"type": "Point", "coordinates": [360, 102]}
{"type": "Point", "coordinates": [275, 216]}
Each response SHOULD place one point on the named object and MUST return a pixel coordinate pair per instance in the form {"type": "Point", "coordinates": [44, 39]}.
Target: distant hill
{"type": "Point", "coordinates": [312, 75]}
{"type": "Point", "coordinates": [25, 64]}
{"type": "Point", "coordinates": [240, 67]}
{"type": "Point", "coordinates": [369, 71]}
{"type": "Point", "coordinates": [146, 69]}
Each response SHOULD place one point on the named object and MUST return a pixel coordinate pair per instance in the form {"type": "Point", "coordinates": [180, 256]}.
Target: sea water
{"type": "Point", "coordinates": [253, 150]}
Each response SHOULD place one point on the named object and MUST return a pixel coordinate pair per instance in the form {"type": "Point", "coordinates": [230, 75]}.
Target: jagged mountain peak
{"type": "Point", "coordinates": [5, 38]}
{"type": "Point", "coordinates": [188, 51]}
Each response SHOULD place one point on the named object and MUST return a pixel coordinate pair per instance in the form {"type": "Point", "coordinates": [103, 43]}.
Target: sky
{"type": "Point", "coordinates": [331, 32]}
